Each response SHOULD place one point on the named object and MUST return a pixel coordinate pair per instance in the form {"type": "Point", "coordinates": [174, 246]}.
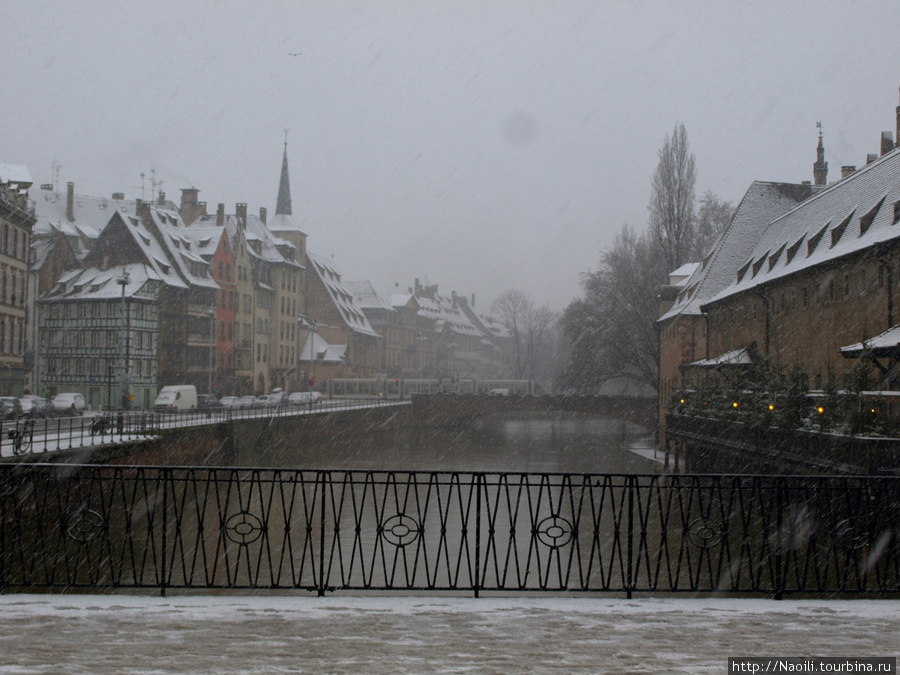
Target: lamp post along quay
{"type": "Point", "coordinates": [123, 280]}
{"type": "Point", "coordinates": [312, 325]}
{"type": "Point", "coordinates": [212, 346]}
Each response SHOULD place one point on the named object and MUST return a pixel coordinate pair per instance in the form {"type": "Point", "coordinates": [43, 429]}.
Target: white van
{"type": "Point", "coordinates": [176, 397]}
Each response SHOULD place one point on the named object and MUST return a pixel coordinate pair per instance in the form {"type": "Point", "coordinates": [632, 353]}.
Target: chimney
{"type": "Point", "coordinates": [887, 142]}
{"type": "Point", "coordinates": [847, 171]}
{"type": "Point", "coordinates": [118, 195]}
{"type": "Point", "coordinates": [70, 201]}
{"type": "Point", "coordinates": [263, 213]}
{"type": "Point", "coordinates": [473, 299]}
{"type": "Point", "coordinates": [453, 299]}
{"type": "Point", "coordinates": [871, 157]}
{"type": "Point", "coordinates": [898, 124]}
{"type": "Point", "coordinates": [162, 198]}
{"type": "Point", "coordinates": [220, 215]}
{"type": "Point", "coordinates": [189, 209]}
{"type": "Point", "coordinates": [143, 211]}
{"type": "Point", "coordinates": [240, 210]}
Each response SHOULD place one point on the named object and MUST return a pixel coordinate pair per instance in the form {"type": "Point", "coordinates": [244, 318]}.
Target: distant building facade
{"type": "Point", "coordinates": [16, 222]}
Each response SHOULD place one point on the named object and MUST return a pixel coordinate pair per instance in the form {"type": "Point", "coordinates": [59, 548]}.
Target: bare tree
{"type": "Point", "coordinates": [530, 333]}
{"type": "Point", "coordinates": [713, 217]}
{"type": "Point", "coordinates": [612, 329]}
{"type": "Point", "coordinates": [672, 202]}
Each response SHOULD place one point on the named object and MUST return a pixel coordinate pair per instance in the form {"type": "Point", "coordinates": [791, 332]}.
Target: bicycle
{"type": "Point", "coordinates": [22, 437]}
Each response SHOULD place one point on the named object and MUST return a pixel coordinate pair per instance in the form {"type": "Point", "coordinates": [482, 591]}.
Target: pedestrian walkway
{"type": "Point", "coordinates": [336, 634]}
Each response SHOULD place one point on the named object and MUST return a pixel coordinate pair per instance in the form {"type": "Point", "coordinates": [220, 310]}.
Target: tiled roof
{"type": "Point", "coordinates": [762, 203]}
{"type": "Point", "coordinates": [850, 216]}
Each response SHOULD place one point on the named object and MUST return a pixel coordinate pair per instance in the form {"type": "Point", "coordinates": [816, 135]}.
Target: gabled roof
{"type": "Point", "coordinates": [762, 203]}
{"type": "Point", "coordinates": [92, 283]}
{"type": "Point", "coordinates": [91, 213]}
{"type": "Point", "coordinates": [321, 351]}
{"type": "Point", "coordinates": [847, 217]}
{"type": "Point", "coordinates": [442, 310]}
{"type": "Point", "coordinates": [341, 296]}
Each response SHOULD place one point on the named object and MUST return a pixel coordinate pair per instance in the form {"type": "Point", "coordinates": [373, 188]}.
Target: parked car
{"type": "Point", "coordinates": [273, 400]}
{"type": "Point", "coordinates": [304, 397]}
{"type": "Point", "coordinates": [10, 408]}
{"type": "Point", "coordinates": [230, 402]}
{"type": "Point", "coordinates": [35, 406]}
{"type": "Point", "coordinates": [208, 401]}
{"type": "Point", "coordinates": [498, 392]}
{"type": "Point", "coordinates": [249, 402]}
{"type": "Point", "coordinates": [68, 404]}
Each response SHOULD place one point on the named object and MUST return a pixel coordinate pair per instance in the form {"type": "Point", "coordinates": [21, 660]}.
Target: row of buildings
{"type": "Point", "coordinates": [806, 274]}
{"type": "Point", "coordinates": [115, 298]}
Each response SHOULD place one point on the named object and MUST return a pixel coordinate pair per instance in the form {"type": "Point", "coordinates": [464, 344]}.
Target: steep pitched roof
{"type": "Point", "coordinates": [91, 214]}
{"type": "Point", "coordinates": [762, 203]}
{"type": "Point", "coordinates": [91, 283]}
{"type": "Point", "coordinates": [849, 216]}
{"type": "Point", "coordinates": [340, 295]}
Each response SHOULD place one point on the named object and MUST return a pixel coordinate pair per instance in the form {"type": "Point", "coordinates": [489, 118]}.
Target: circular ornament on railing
{"type": "Point", "coordinates": [704, 532]}
{"type": "Point", "coordinates": [555, 531]}
{"type": "Point", "coordinates": [243, 528]}
{"type": "Point", "coordinates": [88, 526]}
{"type": "Point", "coordinates": [854, 532]}
{"type": "Point", "coordinates": [400, 530]}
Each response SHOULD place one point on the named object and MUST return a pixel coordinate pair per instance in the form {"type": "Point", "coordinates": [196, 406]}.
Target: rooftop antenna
{"type": "Point", "coordinates": [54, 172]}
{"type": "Point", "coordinates": [142, 185]}
{"type": "Point", "coordinates": [154, 184]}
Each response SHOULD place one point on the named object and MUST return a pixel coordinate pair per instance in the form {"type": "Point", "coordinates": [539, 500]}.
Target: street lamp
{"type": "Point", "coordinates": [123, 280]}
{"type": "Point", "coordinates": [212, 344]}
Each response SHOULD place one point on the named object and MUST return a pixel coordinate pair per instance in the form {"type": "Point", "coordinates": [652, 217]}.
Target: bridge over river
{"type": "Point", "coordinates": [147, 513]}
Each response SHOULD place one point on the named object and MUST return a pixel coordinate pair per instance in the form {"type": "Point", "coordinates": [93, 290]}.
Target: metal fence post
{"type": "Point", "coordinates": [165, 523]}
{"type": "Point", "coordinates": [321, 585]}
{"type": "Point", "coordinates": [479, 477]}
{"type": "Point", "coordinates": [779, 538]}
{"type": "Point", "coordinates": [629, 574]}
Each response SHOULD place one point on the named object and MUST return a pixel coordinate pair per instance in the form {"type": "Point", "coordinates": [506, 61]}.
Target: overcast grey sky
{"type": "Point", "coordinates": [478, 144]}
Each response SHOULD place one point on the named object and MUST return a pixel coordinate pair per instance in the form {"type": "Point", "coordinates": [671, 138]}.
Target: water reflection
{"type": "Point", "coordinates": [527, 443]}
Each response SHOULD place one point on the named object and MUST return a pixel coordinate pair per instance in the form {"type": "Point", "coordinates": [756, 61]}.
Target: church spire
{"type": "Point", "coordinates": [820, 168]}
{"type": "Point", "coordinates": [283, 204]}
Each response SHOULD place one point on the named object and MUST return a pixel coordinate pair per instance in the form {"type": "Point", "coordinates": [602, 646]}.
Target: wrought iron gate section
{"type": "Point", "coordinates": [320, 531]}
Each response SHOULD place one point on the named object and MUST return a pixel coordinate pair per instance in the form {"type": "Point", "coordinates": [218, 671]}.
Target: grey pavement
{"type": "Point", "coordinates": [341, 634]}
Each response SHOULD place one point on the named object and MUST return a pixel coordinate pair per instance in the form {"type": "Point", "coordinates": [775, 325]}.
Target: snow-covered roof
{"type": "Point", "coordinates": [762, 203]}
{"type": "Point", "coordinates": [854, 214]}
{"type": "Point", "coordinates": [15, 173]}
{"type": "Point", "coordinates": [683, 273]}
{"type": "Point", "coordinates": [442, 310]}
{"type": "Point", "coordinates": [340, 295]}
{"type": "Point", "coordinates": [96, 284]}
{"type": "Point", "coordinates": [282, 222]}
{"type": "Point", "coordinates": [742, 356]}
{"type": "Point", "coordinates": [321, 350]}
{"type": "Point", "coordinates": [886, 344]}
{"type": "Point", "coordinates": [91, 214]}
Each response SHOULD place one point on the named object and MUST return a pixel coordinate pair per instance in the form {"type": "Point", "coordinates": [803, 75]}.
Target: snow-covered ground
{"type": "Point", "coordinates": [337, 634]}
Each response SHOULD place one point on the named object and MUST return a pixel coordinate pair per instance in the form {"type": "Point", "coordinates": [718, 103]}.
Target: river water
{"type": "Point", "coordinates": [542, 443]}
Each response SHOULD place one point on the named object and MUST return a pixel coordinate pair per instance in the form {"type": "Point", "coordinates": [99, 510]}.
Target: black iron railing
{"type": "Point", "coordinates": [67, 526]}
{"type": "Point", "coordinates": [29, 435]}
